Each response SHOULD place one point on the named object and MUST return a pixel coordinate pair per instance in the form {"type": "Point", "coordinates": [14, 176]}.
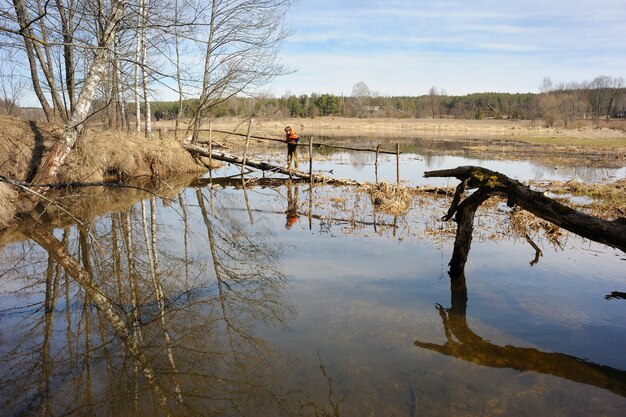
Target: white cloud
{"type": "Point", "coordinates": [404, 47]}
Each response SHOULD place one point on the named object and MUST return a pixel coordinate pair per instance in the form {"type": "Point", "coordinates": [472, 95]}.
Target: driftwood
{"type": "Point", "coordinates": [490, 183]}
{"type": "Point", "coordinates": [265, 166]}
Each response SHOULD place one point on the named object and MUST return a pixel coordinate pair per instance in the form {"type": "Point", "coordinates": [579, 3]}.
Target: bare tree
{"type": "Point", "coordinates": [361, 96]}
{"type": "Point", "coordinates": [240, 47]}
{"type": "Point", "coordinates": [433, 101]}
{"type": "Point", "coordinates": [97, 71]}
{"type": "Point", "coordinates": [546, 85]}
{"type": "Point", "coordinates": [603, 91]}
{"type": "Point", "coordinates": [143, 53]}
{"type": "Point", "coordinates": [12, 85]}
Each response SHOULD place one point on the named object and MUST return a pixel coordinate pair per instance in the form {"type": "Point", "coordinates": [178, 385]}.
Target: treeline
{"type": "Point", "coordinates": [605, 97]}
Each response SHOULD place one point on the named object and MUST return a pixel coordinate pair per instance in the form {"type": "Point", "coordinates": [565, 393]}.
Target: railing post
{"type": "Point", "coordinates": [376, 163]}
{"type": "Point", "coordinates": [245, 150]}
{"type": "Point", "coordinates": [398, 163]}
{"type": "Point", "coordinates": [311, 159]}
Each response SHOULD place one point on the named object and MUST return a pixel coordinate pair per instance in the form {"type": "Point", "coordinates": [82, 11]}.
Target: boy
{"type": "Point", "coordinates": [292, 147]}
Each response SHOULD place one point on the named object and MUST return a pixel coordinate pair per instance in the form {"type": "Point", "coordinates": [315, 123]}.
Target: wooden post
{"type": "Point", "coordinates": [398, 163]}
{"type": "Point", "coordinates": [376, 164]}
{"type": "Point", "coordinates": [311, 158]}
{"type": "Point", "coordinates": [245, 150]}
{"type": "Point", "coordinates": [311, 206]}
{"type": "Point", "coordinates": [210, 144]}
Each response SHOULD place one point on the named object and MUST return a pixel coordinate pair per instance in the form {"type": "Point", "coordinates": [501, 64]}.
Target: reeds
{"type": "Point", "coordinates": [389, 198]}
{"type": "Point", "coordinates": [523, 224]}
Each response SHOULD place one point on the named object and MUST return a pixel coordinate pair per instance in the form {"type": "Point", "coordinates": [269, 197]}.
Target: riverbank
{"type": "Point", "coordinates": [98, 157]}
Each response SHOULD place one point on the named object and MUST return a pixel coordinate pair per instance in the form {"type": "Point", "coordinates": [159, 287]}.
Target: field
{"type": "Point", "coordinates": [585, 135]}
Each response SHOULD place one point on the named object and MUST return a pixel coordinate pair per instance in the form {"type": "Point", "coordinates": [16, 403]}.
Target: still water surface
{"type": "Point", "coordinates": [211, 308]}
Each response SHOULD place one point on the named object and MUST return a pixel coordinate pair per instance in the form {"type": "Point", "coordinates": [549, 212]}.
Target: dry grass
{"type": "Point", "coordinates": [581, 131]}
{"type": "Point", "coordinates": [7, 208]}
{"type": "Point", "coordinates": [389, 198]}
{"type": "Point", "coordinates": [523, 224]}
{"type": "Point", "coordinates": [21, 145]}
{"type": "Point", "coordinates": [608, 200]}
{"type": "Point", "coordinates": [98, 155]}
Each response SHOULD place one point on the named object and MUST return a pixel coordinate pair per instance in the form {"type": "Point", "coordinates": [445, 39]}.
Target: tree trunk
{"type": "Point", "coordinates": [491, 183]}
{"type": "Point", "coordinates": [47, 65]}
{"type": "Point", "coordinates": [196, 120]}
{"type": "Point", "coordinates": [179, 113]}
{"type": "Point", "coordinates": [136, 86]}
{"type": "Point", "coordinates": [21, 14]}
{"type": "Point", "coordinates": [144, 65]}
{"type": "Point", "coordinates": [50, 166]}
{"type": "Point", "coordinates": [67, 22]}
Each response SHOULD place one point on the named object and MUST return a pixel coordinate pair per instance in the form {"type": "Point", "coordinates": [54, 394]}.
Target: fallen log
{"type": "Point", "coordinates": [265, 166]}
{"type": "Point", "coordinates": [490, 183]}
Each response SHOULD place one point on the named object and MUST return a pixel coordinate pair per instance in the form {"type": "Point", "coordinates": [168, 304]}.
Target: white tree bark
{"type": "Point", "coordinates": [59, 152]}
{"type": "Point", "coordinates": [144, 65]}
{"type": "Point", "coordinates": [138, 47]}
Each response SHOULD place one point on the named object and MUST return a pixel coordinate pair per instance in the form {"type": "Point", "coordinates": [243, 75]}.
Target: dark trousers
{"type": "Point", "coordinates": [292, 154]}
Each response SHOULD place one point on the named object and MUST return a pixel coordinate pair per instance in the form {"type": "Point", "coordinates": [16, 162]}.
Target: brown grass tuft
{"type": "Point", "coordinates": [523, 223]}
{"type": "Point", "coordinates": [389, 198]}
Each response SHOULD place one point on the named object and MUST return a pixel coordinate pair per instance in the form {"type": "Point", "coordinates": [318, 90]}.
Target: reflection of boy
{"type": "Point", "coordinates": [292, 207]}
{"type": "Point", "coordinates": [292, 147]}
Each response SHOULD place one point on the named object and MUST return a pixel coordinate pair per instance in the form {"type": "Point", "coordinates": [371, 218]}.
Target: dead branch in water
{"type": "Point", "coordinates": [490, 183]}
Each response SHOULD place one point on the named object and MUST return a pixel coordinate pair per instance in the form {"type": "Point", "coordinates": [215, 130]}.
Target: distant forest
{"type": "Point", "coordinates": [564, 105]}
{"type": "Point", "coordinates": [603, 98]}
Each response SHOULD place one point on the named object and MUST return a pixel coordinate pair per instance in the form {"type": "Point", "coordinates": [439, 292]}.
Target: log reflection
{"type": "Point", "coordinates": [463, 343]}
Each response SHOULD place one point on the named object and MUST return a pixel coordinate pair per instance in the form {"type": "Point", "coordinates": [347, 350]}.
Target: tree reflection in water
{"type": "Point", "coordinates": [463, 343]}
{"type": "Point", "coordinates": [137, 325]}
{"type": "Point", "coordinates": [128, 326]}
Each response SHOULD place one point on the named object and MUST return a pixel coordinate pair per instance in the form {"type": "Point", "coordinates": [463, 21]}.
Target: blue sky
{"type": "Point", "coordinates": [404, 47]}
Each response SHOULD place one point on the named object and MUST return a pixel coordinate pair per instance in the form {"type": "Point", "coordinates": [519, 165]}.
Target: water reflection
{"type": "Point", "coordinates": [463, 343]}
{"type": "Point", "coordinates": [184, 307]}
{"type": "Point", "coordinates": [127, 326]}
{"type": "Point", "coordinates": [291, 214]}
{"type": "Point", "coordinates": [516, 159]}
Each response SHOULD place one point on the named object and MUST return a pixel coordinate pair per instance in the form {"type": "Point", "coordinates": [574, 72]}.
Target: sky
{"type": "Point", "coordinates": [405, 47]}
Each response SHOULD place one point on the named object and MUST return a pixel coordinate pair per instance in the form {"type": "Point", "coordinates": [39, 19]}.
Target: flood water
{"type": "Point", "coordinates": [289, 300]}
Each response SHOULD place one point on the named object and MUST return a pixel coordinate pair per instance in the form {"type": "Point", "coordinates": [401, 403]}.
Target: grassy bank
{"type": "Point", "coordinates": [98, 156]}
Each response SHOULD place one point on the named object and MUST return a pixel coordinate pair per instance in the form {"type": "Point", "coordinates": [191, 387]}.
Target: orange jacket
{"type": "Point", "coordinates": [292, 137]}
